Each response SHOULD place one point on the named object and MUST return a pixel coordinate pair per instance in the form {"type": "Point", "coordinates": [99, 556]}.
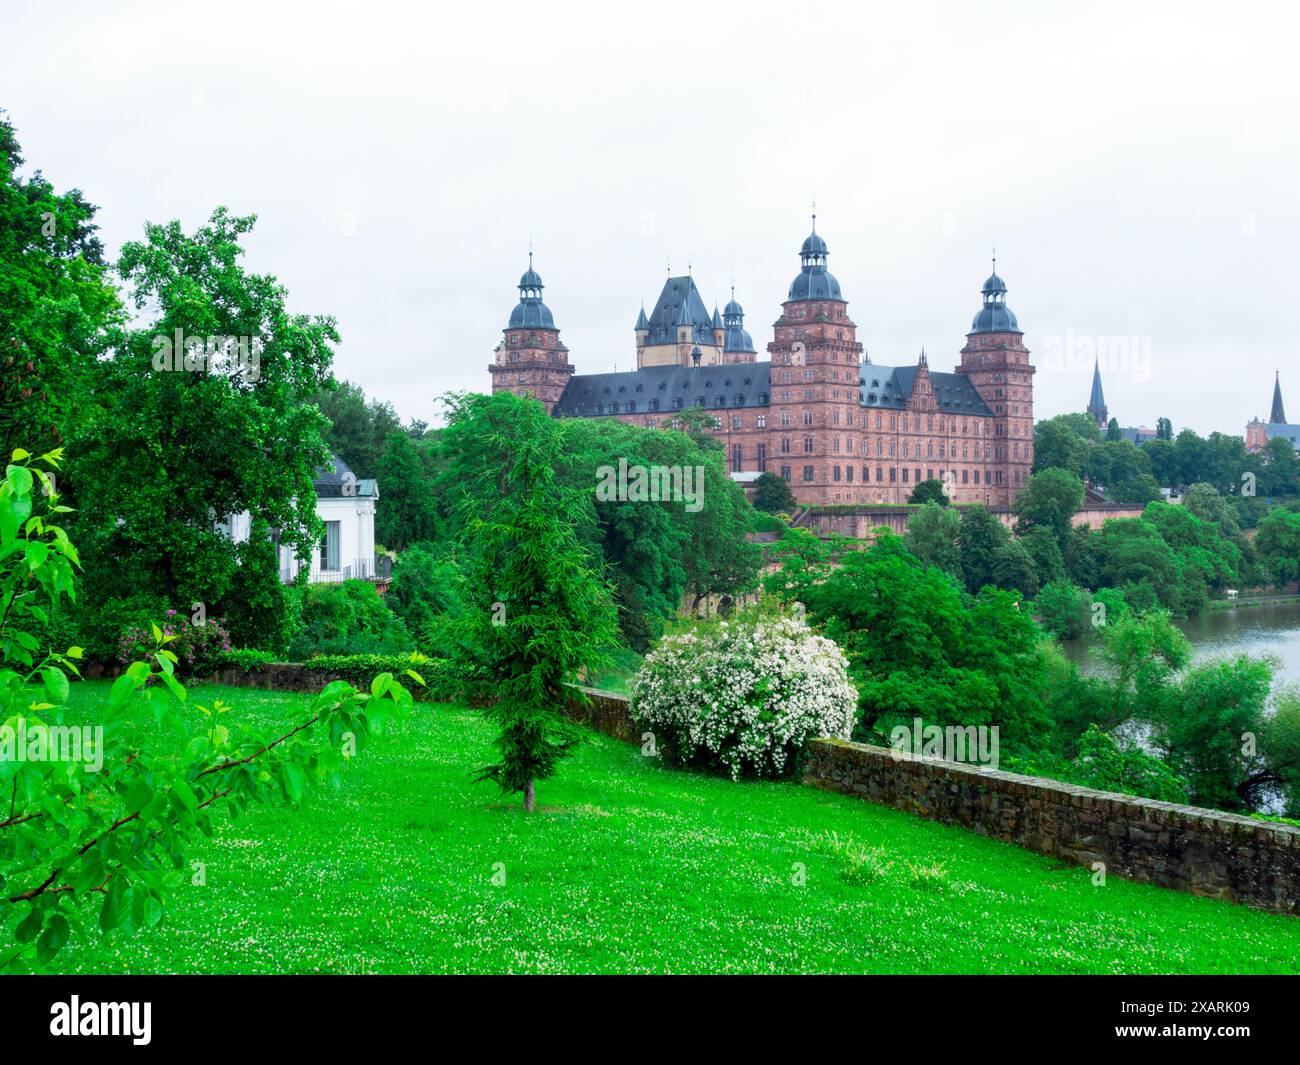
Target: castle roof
{"type": "Point", "coordinates": [679, 304]}
{"type": "Point", "coordinates": [664, 389]}
{"type": "Point", "coordinates": [814, 281]}
{"type": "Point", "coordinates": [531, 312]}
{"type": "Point", "coordinates": [995, 316]}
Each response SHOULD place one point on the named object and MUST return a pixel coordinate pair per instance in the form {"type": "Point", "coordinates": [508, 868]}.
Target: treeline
{"type": "Point", "coordinates": [923, 642]}
{"type": "Point", "coordinates": [1133, 473]}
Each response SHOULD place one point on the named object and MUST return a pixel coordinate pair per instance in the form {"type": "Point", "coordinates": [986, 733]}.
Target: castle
{"type": "Point", "coordinates": [839, 428]}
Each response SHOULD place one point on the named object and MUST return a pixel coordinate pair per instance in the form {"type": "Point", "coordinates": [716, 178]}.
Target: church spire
{"type": "Point", "coordinates": [1278, 415]}
{"type": "Point", "coordinates": [1097, 401]}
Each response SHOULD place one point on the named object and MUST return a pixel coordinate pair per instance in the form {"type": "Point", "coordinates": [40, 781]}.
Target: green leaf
{"type": "Point", "coordinates": [29, 927]}
{"type": "Point", "coordinates": [20, 454]}
{"type": "Point", "coordinates": [294, 779]}
{"type": "Point", "coordinates": [37, 553]}
{"type": "Point", "coordinates": [56, 685]}
{"type": "Point", "coordinates": [20, 477]}
{"type": "Point", "coordinates": [53, 938]}
{"type": "Point", "coordinates": [157, 632]}
{"type": "Point", "coordinates": [117, 904]}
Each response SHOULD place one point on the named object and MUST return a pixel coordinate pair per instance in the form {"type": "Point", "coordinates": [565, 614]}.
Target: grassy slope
{"type": "Point", "coordinates": [634, 867]}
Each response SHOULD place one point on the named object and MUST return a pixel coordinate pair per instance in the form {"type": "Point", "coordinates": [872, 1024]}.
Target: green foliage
{"type": "Point", "coordinates": [406, 513]}
{"type": "Point", "coordinates": [223, 438]}
{"type": "Point", "coordinates": [772, 494]}
{"type": "Point", "coordinates": [537, 612]}
{"type": "Point", "coordinates": [932, 536]}
{"type": "Point", "coordinates": [1277, 544]}
{"type": "Point", "coordinates": [930, 491]}
{"type": "Point", "coordinates": [357, 430]}
{"type": "Point", "coordinates": [57, 305]}
{"type": "Point", "coordinates": [1107, 765]}
{"type": "Point", "coordinates": [244, 659]}
{"type": "Point", "coordinates": [1049, 499]}
{"type": "Point", "coordinates": [917, 646]}
{"type": "Point", "coordinates": [1063, 609]}
{"type": "Point", "coordinates": [427, 592]}
{"type": "Point", "coordinates": [347, 618]}
{"type": "Point", "coordinates": [261, 610]}
{"type": "Point", "coordinates": [93, 817]}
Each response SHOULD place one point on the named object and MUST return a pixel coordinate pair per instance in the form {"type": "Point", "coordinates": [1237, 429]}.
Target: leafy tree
{"type": "Point", "coordinates": [1108, 765]}
{"type": "Point", "coordinates": [1164, 429]}
{"type": "Point", "coordinates": [772, 494]}
{"type": "Point", "coordinates": [980, 538]}
{"type": "Point", "coordinates": [1063, 609]}
{"type": "Point", "coordinates": [357, 429]}
{"type": "Point", "coordinates": [1045, 555]}
{"type": "Point", "coordinates": [1050, 499]}
{"type": "Point", "coordinates": [917, 646]}
{"type": "Point", "coordinates": [350, 617]}
{"type": "Point", "coordinates": [427, 592]}
{"type": "Point", "coordinates": [228, 435]}
{"type": "Point", "coordinates": [58, 305]}
{"type": "Point", "coordinates": [1207, 503]}
{"type": "Point", "coordinates": [932, 536]}
{"type": "Point", "coordinates": [1113, 431]}
{"type": "Point", "coordinates": [1058, 446]}
{"type": "Point", "coordinates": [536, 609]}
{"type": "Point", "coordinates": [930, 491]}
{"type": "Point", "coordinates": [261, 610]}
{"type": "Point", "coordinates": [1202, 732]}
{"type": "Point", "coordinates": [406, 512]}
{"type": "Point", "coordinates": [1278, 546]}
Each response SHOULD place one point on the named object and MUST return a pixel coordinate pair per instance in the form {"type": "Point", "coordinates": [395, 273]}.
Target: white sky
{"type": "Point", "coordinates": [1136, 165]}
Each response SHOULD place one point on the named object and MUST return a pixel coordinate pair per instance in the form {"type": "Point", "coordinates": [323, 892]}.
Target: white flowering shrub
{"type": "Point", "coordinates": [745, 695]}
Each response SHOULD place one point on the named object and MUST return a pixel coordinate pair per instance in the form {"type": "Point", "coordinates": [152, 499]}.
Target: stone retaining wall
{"type": "Point", "coordinates": [1202, 852]}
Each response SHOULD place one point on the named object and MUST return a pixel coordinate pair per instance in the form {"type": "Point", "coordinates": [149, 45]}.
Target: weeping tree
{"type": "Point", "coordinates": [538, 611]}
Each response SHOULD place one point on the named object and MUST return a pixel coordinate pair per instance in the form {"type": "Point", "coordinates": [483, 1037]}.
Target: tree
{"type": "Point", "coordinates": [1049, 499]}
{"type": "Point", "coordinates": [932, 536]}
{"type": "Point", "coordinates": [58, 305]}
{"type": "Point", "coordinates": [980, 538]}
{"type": "Point", "coordinates": [930, 491]}
{"type": "Point", "coordinates": [1278, 546]}
{"type": "Point", "coordinates": [406, 512]}
{"type": "Point", "coordinates": [1062, 609]}
{"type": "Point", "coordinates": [357, 430]}
{"type": "Point", "coordinates": [537, 611]}
{"type": "Point", "coordinates": [772, 494]}
{"type": "Point", "coordinates": [220, 421]}
{"type": "Point", "coordinates": [1164, 429]}
{"type": "Point", "coordinates": [1113, 432]}
{"type": "Point", "coordinates": [1058, 446]}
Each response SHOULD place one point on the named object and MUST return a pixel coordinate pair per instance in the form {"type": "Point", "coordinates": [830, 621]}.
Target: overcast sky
{"type": "Point", "coordinates": [1137, 167]}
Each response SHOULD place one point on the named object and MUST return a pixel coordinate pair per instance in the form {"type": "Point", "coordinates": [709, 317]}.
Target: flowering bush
{"type": "Point", "coordinates": [198, 647]}
{"type": "Point", "coordinates": [746, 695]}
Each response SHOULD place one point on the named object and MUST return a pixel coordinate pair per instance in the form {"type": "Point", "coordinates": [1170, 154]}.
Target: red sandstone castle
{"type": "Point", "coordinates": [838, 428]}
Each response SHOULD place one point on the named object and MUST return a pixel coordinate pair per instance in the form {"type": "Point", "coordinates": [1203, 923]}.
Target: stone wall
{"type": "Point", "coordinates": [1202, 852]}
{"type": "Point", "coordinates": [1198, 851]}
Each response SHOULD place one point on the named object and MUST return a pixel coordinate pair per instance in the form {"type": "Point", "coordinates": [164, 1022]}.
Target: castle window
{"type": "Point", "coordinates": [736, 421]}
{"type": "Point", "coordinates": [848, 474]}
{"type": "Point", "coordinates": [514, 356]}
{"type": "Point", "coordinates": [807, 473]}
{"type": "Point", "coordinates": [785, 445]}
{"type": "Point", "coordinates": [785, 418]}
{"type": "Point", "coordinates": [808, 444]}
{"type": "Point", "coordinates": [835, 470]}
{"type": "Point", "coordinates": [761, 421]}
{"type": "Point", "coordinates": [807, 417]}
{"type": "Point", "coordinates": [785, 473]}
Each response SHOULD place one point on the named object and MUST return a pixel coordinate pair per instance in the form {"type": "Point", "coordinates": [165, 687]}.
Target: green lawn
{"type": "Point", "coordinates": [631, 867]}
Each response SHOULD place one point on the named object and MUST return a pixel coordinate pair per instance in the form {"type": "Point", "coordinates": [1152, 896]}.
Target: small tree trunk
{"type": "Point", "coordinates": [530, 800]}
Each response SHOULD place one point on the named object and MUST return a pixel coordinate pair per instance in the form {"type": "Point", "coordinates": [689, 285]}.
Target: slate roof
{"type": "Point", "coordinates": [680, 303]}
{"type": "Point", "coordinates": [329, 484]}
{"type": "Point", "coordinates": [740, 386]}
{"type": "Point", "coordinates": [663, 389]}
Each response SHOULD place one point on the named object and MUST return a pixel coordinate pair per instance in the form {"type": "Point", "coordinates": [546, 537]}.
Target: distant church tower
{"type": "Point", "coordinates": [1097, 401]}
{"type": "Point", "coordinates": [531, 360]}
{"type": "Point", "coordinates": [996, 361]}
{"type": "Point", "coordinates": [815, 363]}
{"type": "Point", "coordinates": [1278, 416]}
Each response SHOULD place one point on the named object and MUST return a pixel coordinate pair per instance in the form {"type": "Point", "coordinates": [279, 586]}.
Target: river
{"type": "Point", "coordinates": [1272, 629]}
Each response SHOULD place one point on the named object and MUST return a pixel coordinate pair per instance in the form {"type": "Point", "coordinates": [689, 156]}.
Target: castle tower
{"type": "Point", "coordinates": [817, 425]}
{"type": "Point", "coordinates": [531, 360]}
{"type": "Point", "coordinates": [737, 345]}
{"type": "Point", "coordinates": [677, 325]}
{"type": "Point", "coordinates": [1278, 415]}
{"type": "Point", "coordinates": [1097, 401]}
{"type": "Point", "coordinates": [996, 361]}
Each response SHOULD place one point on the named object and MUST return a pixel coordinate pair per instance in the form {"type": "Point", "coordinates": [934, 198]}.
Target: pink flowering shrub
{"type": "Point", "coordinates": [197, 646]}
{"type": "Point", "coordinates": [744, 695]}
